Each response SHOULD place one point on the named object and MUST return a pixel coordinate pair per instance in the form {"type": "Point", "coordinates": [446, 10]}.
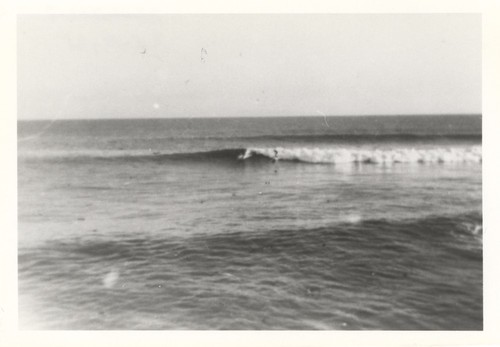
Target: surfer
{"type": "Point", "coordinates": [275, 156]}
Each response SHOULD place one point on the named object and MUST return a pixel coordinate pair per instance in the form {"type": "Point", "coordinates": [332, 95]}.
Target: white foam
{"type": "Point", "coordinates": [110, 279]}
{"type": "Point", "coordinates": [379, 156]}
{"type": "Point", "coordinates": [473, 229]}
{"type": "Point", "coordinates": [353, 218]}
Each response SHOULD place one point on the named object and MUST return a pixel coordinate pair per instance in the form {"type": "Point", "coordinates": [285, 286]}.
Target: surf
{"type": "Point", "coordinates": [308, 155]}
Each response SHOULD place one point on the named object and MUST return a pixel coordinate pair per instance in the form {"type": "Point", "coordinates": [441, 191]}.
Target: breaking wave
{"type": "Point", "coordinates": [468, 154]}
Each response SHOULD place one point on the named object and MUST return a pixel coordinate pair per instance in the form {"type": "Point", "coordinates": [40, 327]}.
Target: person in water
{"type": "Point", "coordinates": [275, 156]}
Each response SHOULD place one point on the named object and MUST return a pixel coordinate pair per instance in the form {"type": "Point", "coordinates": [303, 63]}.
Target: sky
{"type": "Point", "coordinates": [161, 66]}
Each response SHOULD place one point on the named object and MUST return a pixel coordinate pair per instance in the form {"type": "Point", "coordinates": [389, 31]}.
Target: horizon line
{"type": "Point", "coordinates": [252, 117]}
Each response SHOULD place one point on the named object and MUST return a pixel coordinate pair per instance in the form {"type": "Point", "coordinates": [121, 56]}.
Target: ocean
{"type": "Point", "coordinates": [291, 223]}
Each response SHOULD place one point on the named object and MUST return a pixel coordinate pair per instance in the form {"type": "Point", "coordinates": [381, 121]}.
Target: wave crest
{"type": "Point", "coordinates": [379, 156]}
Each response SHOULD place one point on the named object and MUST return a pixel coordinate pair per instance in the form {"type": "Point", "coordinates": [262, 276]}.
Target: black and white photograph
{"type": "Point", "coordinates": [250, 172]}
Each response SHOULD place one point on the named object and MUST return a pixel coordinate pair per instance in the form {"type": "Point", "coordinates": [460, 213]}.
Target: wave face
{"type": "Point", "coordinates": [376, 156]}
{"type": "Point", "coordinates": [231, 154]}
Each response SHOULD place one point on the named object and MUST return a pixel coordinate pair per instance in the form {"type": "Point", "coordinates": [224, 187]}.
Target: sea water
{"type": "Point", "coordinates": [251, 223]}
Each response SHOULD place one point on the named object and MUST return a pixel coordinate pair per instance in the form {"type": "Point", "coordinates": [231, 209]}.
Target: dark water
{"type": "Point", "coordinates": [277, 223]}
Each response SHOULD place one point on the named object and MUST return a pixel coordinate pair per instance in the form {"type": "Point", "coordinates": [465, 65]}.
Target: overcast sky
{"type": "Point", "coordinates": [133, 66]}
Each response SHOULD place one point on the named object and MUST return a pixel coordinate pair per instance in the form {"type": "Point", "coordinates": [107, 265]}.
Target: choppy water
{"type": "Point", "coordinates": [292, 223]}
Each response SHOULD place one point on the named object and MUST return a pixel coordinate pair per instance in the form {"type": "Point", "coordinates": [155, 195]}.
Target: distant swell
{"type": "Point", "coordinates": [367, 138]}
{"type": "Point", "coordinates": [470, 154]}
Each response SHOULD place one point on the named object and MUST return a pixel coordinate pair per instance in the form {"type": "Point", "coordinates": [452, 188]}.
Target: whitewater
{"type": "Point", "coordinates": [378, 156]}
